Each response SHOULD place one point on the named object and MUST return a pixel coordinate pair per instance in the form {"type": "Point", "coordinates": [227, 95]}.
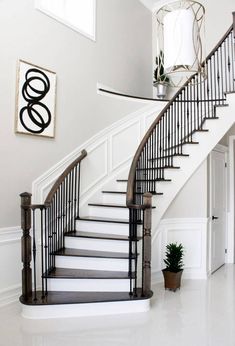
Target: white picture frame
{"type": "Point", "coordinates": [35, 100]}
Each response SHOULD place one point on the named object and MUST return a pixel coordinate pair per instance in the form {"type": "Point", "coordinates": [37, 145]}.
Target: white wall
{"type": "Point", "coordinates": [120, 57]}
{"type": "Point", "coordinates": [191, 202]}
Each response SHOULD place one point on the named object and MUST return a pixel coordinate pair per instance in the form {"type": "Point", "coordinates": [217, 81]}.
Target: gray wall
{"type": "Point", "coordinates": [120, 57]}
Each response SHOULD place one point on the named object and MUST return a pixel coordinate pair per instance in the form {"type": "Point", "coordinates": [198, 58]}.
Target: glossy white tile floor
{"type": "Point", "coordinates": [202, 313]}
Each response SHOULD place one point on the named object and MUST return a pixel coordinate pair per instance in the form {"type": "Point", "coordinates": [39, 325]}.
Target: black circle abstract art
{"type": "Point", "coordinates": [35, 117]}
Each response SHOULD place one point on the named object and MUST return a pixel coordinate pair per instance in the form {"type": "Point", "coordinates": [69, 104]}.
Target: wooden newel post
{"type": "Point", "coordinates": [26, 244]}
{"type": "Point", "coordinates": [147, 246]}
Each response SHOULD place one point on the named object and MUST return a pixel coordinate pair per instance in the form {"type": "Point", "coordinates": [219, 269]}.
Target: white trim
{"type": "Point", "coordinates": [10, 294]}
{"type": "Point", "coordinates": [176, 221]}
{"type": "Point", "coordinates": [47, 178]}
{"type": "Point", "coordinates": [198, 269]}
{"type": "Point", "coordinates": [221, 148]}
{"type": "Point", "coordinates": [10, 235]}
{"type": "Point", "coordinates": [66, 23]}
{"type": "Point", "coordinates": [81, 310]}
{"type": "Point", "coordinates": [231, 173]}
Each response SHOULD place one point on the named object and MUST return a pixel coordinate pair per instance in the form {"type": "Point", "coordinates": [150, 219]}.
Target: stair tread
{"type": "Point", "coordinates": [102, 219]}
{"type": "Point", "coordinates": [107, 205]}
{"type": "Point", "coordinates": [222, 105]}
{"type": "Point", "coordinates": [57, 297]}
{"type": "Point", "coordinates": [167, 156]}
{"type": "Point", "coordinates": [211, 118]}
{"type": "Point", "coordinates": [66, 273]}
{"type": "Point", "coordinates": [157, 179]}
{"type": "Point", "coordinates": [137, 193]}
{"type": "Point", "coordinates": [158, 167]}
{"type": "Point", "coordinates": [117, 192]}
{"type": "Point", "coordinates": [91, 253]}
{"type": "Point", "coordinates": [94, 235]}
{"type": "Point", "coordinates": [181, 144]}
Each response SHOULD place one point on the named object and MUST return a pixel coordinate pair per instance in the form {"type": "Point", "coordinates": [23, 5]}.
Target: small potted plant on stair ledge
{"type": "Point", "coordinates": [174, 266]}
{"type": "Point", "coordinates": [162, 81]}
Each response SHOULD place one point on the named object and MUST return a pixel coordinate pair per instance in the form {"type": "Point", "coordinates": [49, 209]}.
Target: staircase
{"type": "Point", "coordinates": [101, 264]}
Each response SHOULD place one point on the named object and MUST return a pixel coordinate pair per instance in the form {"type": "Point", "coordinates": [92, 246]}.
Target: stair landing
{"type": "Point", "coordinates": [78, 304]}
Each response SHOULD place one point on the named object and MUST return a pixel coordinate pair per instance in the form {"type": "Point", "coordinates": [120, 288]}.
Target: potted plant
{"type": "Point", "coordinates": [161, 81]}
{"type": "Point", "coordinates": [174, 266]}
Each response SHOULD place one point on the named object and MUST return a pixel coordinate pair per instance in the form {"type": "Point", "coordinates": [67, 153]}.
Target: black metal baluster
{"type": "Point", "coordinates": [53, 230]}
{"type": "Point", "coordinates": [131, 218]}
{"type": "Point", "coordinates": [46, 247]}
{"type": "Point", "coordinates": [232, 59]}
{"type": "Point", "coordinates": [49, 238]}
{"type": "Point", "coordinates": [78, 189]}
{"type": "Point", "coordinates": [75, 196]}
{"type": "Point", "coordinates": [229, 65]}
{"type": "Point", "coordinates": [42, 253]}
{"type": "Point", "coordinates": [34, 257]}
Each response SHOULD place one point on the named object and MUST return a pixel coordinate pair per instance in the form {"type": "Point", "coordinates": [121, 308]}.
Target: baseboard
{"type": "Point", "coordinates": [10, 295]}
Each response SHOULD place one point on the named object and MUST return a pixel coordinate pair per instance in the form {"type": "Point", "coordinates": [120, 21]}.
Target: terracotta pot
{"type": "Point", "coordinates": [172, 280]}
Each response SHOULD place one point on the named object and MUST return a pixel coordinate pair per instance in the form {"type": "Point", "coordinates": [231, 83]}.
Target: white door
{"type": "Point", "coordinates": [218, 209]}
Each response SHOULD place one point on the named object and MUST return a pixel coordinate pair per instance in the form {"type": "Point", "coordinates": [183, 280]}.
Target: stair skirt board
{"type": "Point", "coordinates": [97, 244]}
{"type": "Point", "coordinates": [102, 227]}
{"type": "Point", "coordinates": [89, 285]}
{"type": "Point", "coordinates": [90, 263]}
{"type": "Point", "coordinates": [81, 310]}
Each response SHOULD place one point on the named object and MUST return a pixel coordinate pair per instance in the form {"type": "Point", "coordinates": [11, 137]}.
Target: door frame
{"type": "Point", "coordinates": [224, 150]}
{"type": "Point", "coordinates": [231, 202]}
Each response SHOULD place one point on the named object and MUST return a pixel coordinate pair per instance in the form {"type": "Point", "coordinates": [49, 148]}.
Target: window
{"type": "Point", "coordinates": [79, 15]}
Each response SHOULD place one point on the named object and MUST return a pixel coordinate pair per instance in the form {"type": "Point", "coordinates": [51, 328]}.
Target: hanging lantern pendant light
{"type": "Point", "coordinates": [180, 31]}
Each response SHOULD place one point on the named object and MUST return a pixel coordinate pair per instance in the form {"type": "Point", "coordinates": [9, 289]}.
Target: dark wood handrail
{"type": "Point", "coordinates": [132, 172]}
{"type": "Point", "coordinates": [132, 96]}
{"type": "Point", "coordinates": [62, 177]}
{"type": "Point", "coordinates": [218, 44]}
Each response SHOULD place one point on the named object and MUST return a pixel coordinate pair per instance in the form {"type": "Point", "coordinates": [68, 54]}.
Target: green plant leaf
{"type": "Point", "coordinates": [174, 257]}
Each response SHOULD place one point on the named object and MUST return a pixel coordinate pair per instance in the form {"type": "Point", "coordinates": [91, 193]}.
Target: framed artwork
{"type": "Point", "coordinates": [35, 100]}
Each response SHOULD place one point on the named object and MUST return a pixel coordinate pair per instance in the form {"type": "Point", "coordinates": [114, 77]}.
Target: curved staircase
{"type": "Point", "coordinates": [101, 264]}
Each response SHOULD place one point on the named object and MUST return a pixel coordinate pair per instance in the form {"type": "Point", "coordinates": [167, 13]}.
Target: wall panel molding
{"type": "Point", "coordinates": [42, 184]}
{"type": "Point", "coordinates": [10, 238]}
{"type": "Point", "coordinates": [192, 233]}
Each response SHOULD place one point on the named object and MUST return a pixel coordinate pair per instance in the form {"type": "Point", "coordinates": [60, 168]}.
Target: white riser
{"type": "Point", "coordinates": [114, 198]}
{"type": "Point", "coordinates": [97, 244]}
{"type": "Point", "coordinates": [121, 186]}
{"type": "Point", "coordinates": [89, 285]}
{"type": "Point", "coordinates": [102, 227]}
{"type": "Point", "coordinates": [92, 263]}
{"type": "Point", "coordinates": [81, 310]}
{"type": "Point", "coordinates": [118, 213]}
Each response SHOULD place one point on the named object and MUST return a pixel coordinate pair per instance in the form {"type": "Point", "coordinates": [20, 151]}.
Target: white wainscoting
{"type": "Point", "coordinates": [192, 233]}
{"type": "Point", "coordinates": [109, 153]}
{"type": "Point", "coordinates": [10, 269]}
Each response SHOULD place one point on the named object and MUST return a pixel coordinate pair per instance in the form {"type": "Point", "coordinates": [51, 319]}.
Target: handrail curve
{"type": "Point", "coordinates": [132, 171]}
{"type": "Point", "coordinates": [62, 177]}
